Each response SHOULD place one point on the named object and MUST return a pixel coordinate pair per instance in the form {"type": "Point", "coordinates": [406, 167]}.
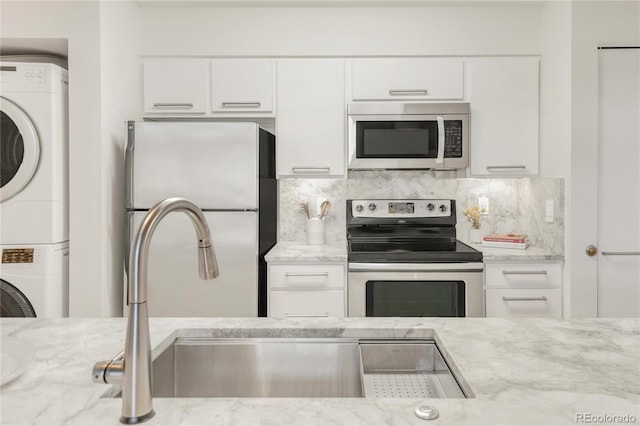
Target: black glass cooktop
{"type": "Point", "coordinates": [431, 250]}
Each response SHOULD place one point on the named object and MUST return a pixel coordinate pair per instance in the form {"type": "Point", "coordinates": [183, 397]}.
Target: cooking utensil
{"type": "Point", "coordinates": [305, 208]}
{"type": "Point", "coordinates": [324, 208]}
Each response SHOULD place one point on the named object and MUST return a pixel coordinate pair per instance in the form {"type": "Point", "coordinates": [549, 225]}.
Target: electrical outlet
{"type": "Point", "coordinates": [483, 203]}
{"type": "Point", "coordinates": [548, 214]}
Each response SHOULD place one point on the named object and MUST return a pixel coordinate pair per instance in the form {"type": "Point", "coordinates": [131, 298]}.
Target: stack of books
{"type": "Point", "coordinates": [517, 241]}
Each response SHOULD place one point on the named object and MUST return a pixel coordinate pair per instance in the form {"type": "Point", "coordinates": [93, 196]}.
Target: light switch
{"type": "Point", "coordinates": [548, 214]}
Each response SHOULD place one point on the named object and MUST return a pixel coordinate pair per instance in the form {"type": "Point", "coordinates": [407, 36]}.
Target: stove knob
{"type": "Point", "coordinates": [373, 207]}
{"type": "Point", "coordinates": [359, 208]}
{"type": "Point", "coordinates": [443, 208]}
{"type": "Point", "coordinates": [431, 207]}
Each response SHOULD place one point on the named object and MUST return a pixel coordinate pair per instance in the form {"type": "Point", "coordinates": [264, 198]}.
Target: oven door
{"type": "Point", "coordinates": [415, 290]}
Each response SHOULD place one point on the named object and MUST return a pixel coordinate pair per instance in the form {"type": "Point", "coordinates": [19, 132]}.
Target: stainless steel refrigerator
{"type": "Point", "coordinates": [228, 170]}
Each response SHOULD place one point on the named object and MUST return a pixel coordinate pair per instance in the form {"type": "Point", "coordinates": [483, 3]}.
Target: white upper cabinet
{"type": "Point", "coordinates": [175, 86]}
{"type": "Point", "coordinates": [381, 79]}
{"type": "Point", "coordinates": [311, 118]}
{"type": "Point", "coordinates": [504, 97]}
{"type": "Point", "coordinates": [242, 85]}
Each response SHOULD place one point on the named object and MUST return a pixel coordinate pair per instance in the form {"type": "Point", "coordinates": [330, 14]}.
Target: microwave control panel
{"type": "Point", "coordinates": [401, 208]}
{"type": "Point", "coordinates": [453, 138]}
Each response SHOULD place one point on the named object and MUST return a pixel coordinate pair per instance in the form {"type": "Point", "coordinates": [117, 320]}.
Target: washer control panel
{"type": "Point", "coordinates": [400, 208]}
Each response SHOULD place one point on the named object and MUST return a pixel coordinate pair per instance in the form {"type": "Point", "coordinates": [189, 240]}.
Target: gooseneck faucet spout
{"type": "Point", "coordinates": [133, 370]}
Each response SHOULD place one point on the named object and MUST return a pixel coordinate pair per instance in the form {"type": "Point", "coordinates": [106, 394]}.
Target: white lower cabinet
{"type": "Point", "coordinates": [306, 290]}
{"type": "Point", "coordinates": [524, 289]}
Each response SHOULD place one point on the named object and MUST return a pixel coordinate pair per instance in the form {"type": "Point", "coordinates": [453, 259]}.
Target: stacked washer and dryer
{"type": "Point", "coordinates": [34, 212]}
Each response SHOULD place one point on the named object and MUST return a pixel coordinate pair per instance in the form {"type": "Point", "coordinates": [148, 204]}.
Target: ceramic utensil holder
{"type": "Point", "coordinates": [315, 231]}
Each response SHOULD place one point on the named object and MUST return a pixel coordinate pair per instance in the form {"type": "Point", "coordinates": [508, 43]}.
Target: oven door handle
{"type": "Point", "coordinates": [429, 267]}
{"type": "Point", "coordinates": [440, 157]}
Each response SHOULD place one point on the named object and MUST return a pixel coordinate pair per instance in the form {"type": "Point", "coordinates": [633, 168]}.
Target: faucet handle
{"type": "Point", "coordinates": [111, 372]}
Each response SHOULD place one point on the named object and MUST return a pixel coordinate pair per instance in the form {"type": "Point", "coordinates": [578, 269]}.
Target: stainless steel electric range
{"type": "Point", "coordinates": [405, 261]}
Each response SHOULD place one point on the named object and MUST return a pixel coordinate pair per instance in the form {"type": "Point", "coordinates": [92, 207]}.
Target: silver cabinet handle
{"type": "Point", "coordinates": [173, 105]}
{"type": "Point", "coordinates": [621, 253]}
{"type": "Point", "coordinates": [440, 154]}
{"type": "Point", "coordinates": [241, 104]}
{"type": "Point", "coordinates": [326, 314]}
{"type": "Point", "coordinates": [401, 92]}
{"type": "Point", "coordinates": [489, 168]}
{"type": "Point", "coordinates": [309, 274]}
{"type": "Point", "coordinates": [524, 299]}
{"type": "Point", "coordinates": [541, 272]}
{"type": "Point", "coordinates": [299, 169]}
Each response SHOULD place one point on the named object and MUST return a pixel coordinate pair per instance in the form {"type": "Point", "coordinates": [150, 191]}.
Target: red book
{"type": "Point", "coordinates": [506, 238]}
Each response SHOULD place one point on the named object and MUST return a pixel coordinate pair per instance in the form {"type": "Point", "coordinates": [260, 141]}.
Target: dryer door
{"type": "Point", "coordinates": [20, 149]}
{"type": "Point", "coordinates": [13, 302]}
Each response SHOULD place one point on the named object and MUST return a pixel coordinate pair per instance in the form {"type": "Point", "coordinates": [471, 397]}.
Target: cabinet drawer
{"type": "Point", "coordinates": [543, 303]}
{"type": "Point", "coordinates": [523, 275]}
{"type": "Point", "coordinates": [407, 79]}
{"type": "Point", "coordinates": [306, 304]}
{"type": "Point", "coordinates": [318, 276]}
{"type": "Point", "coordinates": [175, 87]}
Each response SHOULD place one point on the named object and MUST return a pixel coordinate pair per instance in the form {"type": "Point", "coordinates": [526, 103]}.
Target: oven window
{"type": "Point", "coordinates": [415, 299]}
{"type": "Point", "coordinates": [396, 139]}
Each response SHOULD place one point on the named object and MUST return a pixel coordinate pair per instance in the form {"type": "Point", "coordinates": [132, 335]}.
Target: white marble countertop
{"type": "Point", "coordinates": [522, 372]}
{"type": "Point", "coordinates": [293, 251]}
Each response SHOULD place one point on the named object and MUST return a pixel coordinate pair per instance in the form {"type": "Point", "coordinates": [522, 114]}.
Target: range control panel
{"type": "Point", "coordinates": [400, 208]}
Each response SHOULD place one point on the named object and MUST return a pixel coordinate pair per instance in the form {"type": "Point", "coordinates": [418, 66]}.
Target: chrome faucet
{"type": "Point", "coordinates": [132, 367]}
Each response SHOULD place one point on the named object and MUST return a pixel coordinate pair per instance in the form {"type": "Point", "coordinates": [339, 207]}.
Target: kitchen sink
{"type": "Point", "coordinates": [209, 367]}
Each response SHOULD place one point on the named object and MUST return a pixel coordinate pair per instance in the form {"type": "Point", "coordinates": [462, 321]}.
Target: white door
{"type": "Point", "coordinates": [619, 183]}
{"type": "Point", "coordinates": [174, 285]}
{"type": "Point", "coordinates": [20, 149]}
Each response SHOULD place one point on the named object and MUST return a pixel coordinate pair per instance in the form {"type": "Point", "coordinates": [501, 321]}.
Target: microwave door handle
{"type": "Point", "coordinates": [440, 157]}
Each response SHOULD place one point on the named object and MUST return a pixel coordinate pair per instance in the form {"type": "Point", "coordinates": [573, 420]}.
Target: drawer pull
{"type": "Point", "coordinates": [308, 274]}
{"type": "Point", "coordinates": [325, 315]}
{"type": "Point", "coordinates": [542, 272]}
{"type": "Point", "coordinates": [524, 299]}
{"type": "Point", "coordinates": [173, 105]}
{"type": "Point", "coordinates": [621, 253]}
{"type": "Point", "coordinates": [403, 92]}
{"type": "Point", "coordinates": [298, 169]}
{"type": "Point", "coordinates": [241, 104]}
{"type": "Point", "coordinates": [490, 168]}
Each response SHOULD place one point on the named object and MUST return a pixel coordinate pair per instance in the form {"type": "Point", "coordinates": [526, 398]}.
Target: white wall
{"type": "Point", "coordinates": [79, 23]}
{"type": "Point", "coordinates": [104, 86]}
{"type": "Point", "coordinates": [593, 24]}
{"type": "Point", "coordinates": [121, 101]}
{"type": "Point", "coordinates": [304, 31]}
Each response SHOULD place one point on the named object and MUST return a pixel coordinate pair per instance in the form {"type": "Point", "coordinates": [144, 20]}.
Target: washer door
{"type": "Point", "coordinates": [13, 302]}
{"type": "Point", "coordinates": [19, 151]}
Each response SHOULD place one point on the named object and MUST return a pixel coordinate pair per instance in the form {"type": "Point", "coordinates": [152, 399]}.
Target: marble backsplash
{"type": "Point", "coordinates": [515, 205]}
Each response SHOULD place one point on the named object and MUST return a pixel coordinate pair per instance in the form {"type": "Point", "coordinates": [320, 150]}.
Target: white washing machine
{"type": "Point", "coordinates": [34, 152]}
{"type": "Point", "coordinates": [34, 280]}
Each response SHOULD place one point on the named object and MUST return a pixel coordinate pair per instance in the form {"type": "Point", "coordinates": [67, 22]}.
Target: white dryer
{"type": "Point", "coordinates": [34, 152]}
{"type": "Point", "coordinates": [34, 280]}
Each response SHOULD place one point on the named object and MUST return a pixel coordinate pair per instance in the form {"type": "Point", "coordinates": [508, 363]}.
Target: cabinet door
{"type": "Point", "coordinates": [311, 118]}
{"type": "Point", "coordinates": [520, 275]}
{"type": "Point", "coordinates": [504, 97]}
{"type": "Point", "coordinates": [407, 79]}
{"type": "Point", "coordinates": [306, 304]}
{"type": "Point", "coordinates": [175, 87]}
{"type": "Point", "coordinates": [242, 85]}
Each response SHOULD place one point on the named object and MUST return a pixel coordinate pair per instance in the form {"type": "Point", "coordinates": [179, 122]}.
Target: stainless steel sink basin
{"type": "Point", "coordinates": [302, 367]}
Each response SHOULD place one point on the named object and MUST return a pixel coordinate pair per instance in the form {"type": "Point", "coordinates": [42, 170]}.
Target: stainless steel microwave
{"type": "Point", "coordinates": [408, 135]}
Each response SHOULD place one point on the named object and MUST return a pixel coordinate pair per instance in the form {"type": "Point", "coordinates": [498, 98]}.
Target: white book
{"type": "Point", "coordinates": [504, 244]}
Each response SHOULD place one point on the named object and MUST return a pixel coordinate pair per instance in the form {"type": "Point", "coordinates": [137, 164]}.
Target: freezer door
{"type": "Point", "coordinates": [215, 165]}
{"type": "Point", "coordinates": [174, 286]}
